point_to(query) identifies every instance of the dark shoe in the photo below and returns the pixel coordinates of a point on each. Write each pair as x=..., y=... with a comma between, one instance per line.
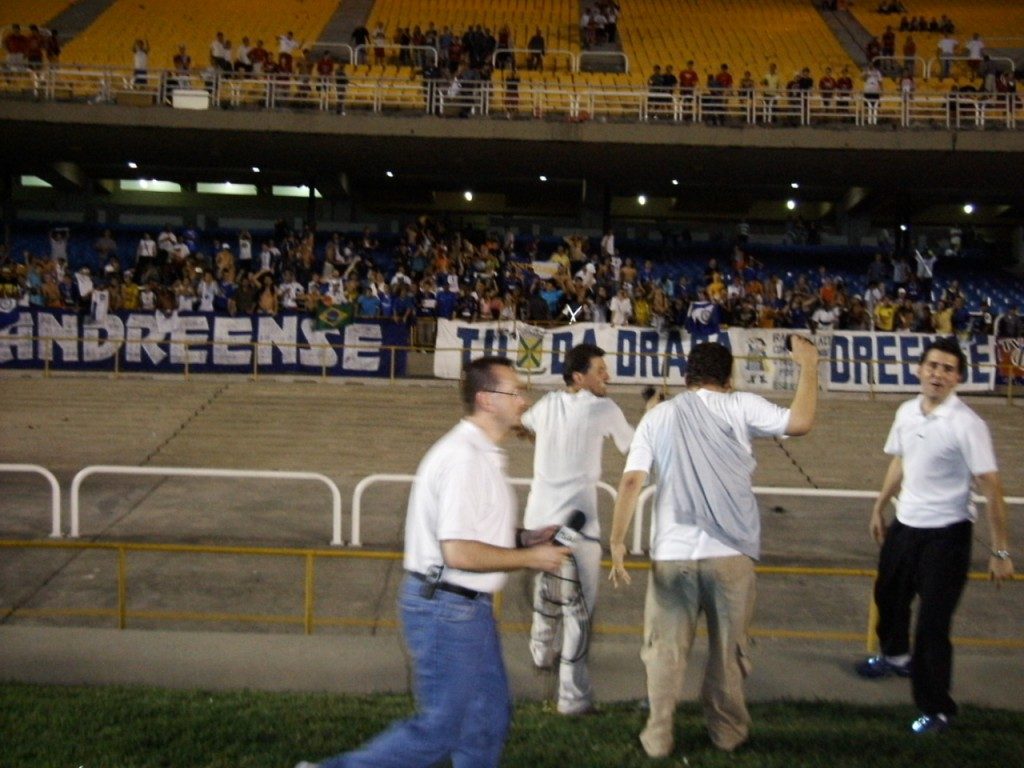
x=874, y=667
x=930, y=724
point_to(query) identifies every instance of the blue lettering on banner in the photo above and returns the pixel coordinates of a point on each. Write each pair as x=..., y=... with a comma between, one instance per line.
x=910, y=352
x=561, y=343
x=840, y=364
x=886, y=357
x=589, y=337
x=490, y=337
x=649, y=352
x=675, y=357
x=468, y=336
x=981, y=371
x=203, y=341
x=863, y=354
x=625, y=348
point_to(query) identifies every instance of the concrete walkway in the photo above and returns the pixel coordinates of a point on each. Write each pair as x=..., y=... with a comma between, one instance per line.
x=784, y=669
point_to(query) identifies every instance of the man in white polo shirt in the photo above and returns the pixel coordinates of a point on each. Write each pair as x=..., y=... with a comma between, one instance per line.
x=705, y=534
x=938, y=445
x=460, y=540
x=569, y=427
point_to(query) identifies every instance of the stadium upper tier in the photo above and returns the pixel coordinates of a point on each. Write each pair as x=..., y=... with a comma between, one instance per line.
x=998, y=20
x=745, y=34
x=27, y=12
x=558, y=20
x=194, y=23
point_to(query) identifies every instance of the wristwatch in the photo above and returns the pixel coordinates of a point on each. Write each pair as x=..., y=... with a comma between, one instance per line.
x=1002, y=554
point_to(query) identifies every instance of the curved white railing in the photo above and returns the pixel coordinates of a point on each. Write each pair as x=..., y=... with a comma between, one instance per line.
x=55, y=532
x=202, y=472
x=366, y=482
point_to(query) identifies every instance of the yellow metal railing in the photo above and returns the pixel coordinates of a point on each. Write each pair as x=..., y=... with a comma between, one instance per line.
x=310, y=621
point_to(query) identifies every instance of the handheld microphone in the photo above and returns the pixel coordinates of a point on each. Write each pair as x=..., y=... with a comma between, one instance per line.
x=569, y=534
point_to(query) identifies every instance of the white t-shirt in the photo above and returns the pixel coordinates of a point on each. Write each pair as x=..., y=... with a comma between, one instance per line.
x=570, y=429
x=656, y=444
x=621, y=309
x=289, y=294
x=947, y=46
x=208, y=291
x=974, y=48
x=100, y=304
x=872, y=81
x=825, y=319
x=925, y=266
x=460, y=492
x=941, y=452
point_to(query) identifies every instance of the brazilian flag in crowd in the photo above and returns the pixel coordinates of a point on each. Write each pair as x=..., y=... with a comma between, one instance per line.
x=334, y=317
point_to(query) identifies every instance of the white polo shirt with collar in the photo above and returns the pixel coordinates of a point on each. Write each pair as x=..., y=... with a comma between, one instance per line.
x=461, y=492
x=941, y=453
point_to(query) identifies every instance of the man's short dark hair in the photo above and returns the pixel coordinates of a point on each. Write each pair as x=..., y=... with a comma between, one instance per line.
x=578, y=360
x=950, y=346
x=480, y=376
x=709, y=363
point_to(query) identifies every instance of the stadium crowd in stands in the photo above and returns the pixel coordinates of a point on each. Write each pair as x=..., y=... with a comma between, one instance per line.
x=430, y=273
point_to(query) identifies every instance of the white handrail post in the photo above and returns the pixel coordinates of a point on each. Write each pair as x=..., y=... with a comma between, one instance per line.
x=357, y=500
x=55, y=532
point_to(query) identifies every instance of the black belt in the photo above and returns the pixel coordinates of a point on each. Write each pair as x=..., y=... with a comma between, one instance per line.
x=455, y=589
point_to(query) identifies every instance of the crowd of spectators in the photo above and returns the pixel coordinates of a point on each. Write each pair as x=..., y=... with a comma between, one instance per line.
x=35, y=49
x=432, y=273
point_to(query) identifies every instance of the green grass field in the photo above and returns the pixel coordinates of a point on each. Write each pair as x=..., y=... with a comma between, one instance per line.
x=57, y=727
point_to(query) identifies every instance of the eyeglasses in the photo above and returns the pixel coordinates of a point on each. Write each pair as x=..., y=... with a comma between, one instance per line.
x=516, y=393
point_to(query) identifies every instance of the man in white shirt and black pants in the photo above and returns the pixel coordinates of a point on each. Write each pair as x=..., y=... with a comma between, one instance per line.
x=460, y=540
x=938, y=445
x=569, y=428
x=705, y=534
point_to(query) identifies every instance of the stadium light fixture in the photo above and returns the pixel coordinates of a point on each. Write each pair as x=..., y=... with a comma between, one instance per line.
x=543, y=177
x=642, y=199
x=675, y=182
x=133, y=165
x=794, y=185
x=968, y=208
x=791, y=204
x=389, y=174
x=903, y=227
x=255, y=169
x=468, y=195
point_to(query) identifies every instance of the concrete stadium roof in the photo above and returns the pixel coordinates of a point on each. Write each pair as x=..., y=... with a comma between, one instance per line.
x=719, y=171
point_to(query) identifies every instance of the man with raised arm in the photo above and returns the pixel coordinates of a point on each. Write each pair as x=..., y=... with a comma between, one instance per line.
x=705, y=534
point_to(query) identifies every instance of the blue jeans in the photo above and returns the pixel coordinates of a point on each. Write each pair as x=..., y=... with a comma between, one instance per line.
x=463, y=707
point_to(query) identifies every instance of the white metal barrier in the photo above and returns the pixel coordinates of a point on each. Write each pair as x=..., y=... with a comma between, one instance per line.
x=366, y=482
x=202, y=472
x=55, y=532
x=821, y=493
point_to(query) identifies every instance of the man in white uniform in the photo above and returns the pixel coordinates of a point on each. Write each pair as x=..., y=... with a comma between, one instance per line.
x=938, y=445
x=705, y=534
x=570, y=426
x=460, y=540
